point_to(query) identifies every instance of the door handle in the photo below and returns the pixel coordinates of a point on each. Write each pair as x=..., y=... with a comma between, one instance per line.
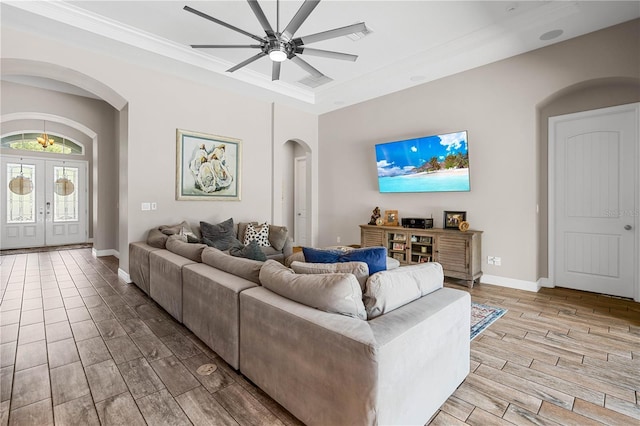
x=627, y=227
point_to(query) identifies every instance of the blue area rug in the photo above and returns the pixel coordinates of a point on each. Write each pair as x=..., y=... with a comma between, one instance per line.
x=482, y=316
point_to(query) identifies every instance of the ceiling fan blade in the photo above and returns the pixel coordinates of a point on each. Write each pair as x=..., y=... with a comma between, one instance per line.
x=257, y=10
x=225, y=46
x=326, y=54
x=306, y=66
x=326, y=35
x=246, y=62
x=224, y=24
x=275, y=71
x=300, y=16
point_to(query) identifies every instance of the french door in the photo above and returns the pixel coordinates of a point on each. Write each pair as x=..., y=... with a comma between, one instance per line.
x=44, y=202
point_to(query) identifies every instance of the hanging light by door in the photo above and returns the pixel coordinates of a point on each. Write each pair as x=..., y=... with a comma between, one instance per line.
x=44, y=139
x=20, y=184
x=64, y=186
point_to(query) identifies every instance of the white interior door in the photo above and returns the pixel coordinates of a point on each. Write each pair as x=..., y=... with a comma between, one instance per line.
x=300, y=202
x=54, y=212
x=595, y=198
x=23, y=210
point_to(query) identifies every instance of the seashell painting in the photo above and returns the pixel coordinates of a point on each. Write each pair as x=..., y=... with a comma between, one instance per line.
x=208, y=167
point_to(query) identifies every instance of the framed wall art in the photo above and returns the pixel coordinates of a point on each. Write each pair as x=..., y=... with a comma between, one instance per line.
x=208, y=167
x=452, y=220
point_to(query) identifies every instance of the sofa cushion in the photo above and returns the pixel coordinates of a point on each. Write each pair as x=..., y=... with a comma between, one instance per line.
x=155, y=238
x=258, y=233
x=176, y=245
x=251, y=251
x=389, y=290
x=359, y=269
x=337, y=293
x=374, y=257
x=241, y=267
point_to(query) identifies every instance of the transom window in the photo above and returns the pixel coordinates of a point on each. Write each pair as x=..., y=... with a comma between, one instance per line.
x=29, y=142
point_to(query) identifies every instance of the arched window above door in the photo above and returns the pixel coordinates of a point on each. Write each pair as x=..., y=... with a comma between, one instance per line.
x=39, y=142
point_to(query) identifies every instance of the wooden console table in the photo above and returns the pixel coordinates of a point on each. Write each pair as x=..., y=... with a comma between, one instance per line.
x=458, y=252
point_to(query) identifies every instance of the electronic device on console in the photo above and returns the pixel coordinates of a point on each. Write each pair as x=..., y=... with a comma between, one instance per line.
x=418, y=223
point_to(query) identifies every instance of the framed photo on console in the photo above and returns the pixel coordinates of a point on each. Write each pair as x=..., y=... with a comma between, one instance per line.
x=391, y=218
x=451, y=220
x=207, y=167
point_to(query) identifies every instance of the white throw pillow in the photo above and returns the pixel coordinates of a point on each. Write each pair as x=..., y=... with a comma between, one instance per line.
x=259, y=233
x=389, y=290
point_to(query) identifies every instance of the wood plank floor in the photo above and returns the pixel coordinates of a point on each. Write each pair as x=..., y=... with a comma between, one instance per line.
x=79, y=346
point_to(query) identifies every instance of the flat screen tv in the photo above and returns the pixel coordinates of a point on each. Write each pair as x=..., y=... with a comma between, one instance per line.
x=438, y=163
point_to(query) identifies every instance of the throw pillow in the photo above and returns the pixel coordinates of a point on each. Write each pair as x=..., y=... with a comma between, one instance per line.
x=359, y=269
x=258, y=233
x=221, y=236
x=250, y=251
x=175, y=229
x=224, y=243
x=392, y=289
x=374, y=257
x=335, y=293
x=155, y=238
x=278, y=236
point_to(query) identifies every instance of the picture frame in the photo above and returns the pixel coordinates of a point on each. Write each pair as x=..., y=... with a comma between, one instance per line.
x=452, y=219
x=208, y=167
x=391, y=218
x=398, y=246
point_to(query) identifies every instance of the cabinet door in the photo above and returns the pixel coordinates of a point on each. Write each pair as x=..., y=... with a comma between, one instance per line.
x=397, y=245
x=453, y=253
x=372, y=237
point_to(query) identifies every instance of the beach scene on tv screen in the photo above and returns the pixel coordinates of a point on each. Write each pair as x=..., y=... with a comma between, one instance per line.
x=437, y=163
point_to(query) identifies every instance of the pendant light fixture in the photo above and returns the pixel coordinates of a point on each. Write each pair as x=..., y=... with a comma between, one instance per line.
x=64, y=186
x=44, y=139
x=21, y=185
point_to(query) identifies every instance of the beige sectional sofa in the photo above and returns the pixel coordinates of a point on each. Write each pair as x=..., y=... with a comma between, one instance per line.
x=320, y=359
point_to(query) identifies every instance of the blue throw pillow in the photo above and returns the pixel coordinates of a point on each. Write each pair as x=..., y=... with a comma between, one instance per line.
x=374, y=257
x=312, y=255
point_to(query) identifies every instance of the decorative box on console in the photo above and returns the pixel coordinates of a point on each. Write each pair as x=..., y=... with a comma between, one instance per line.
x=417, y=223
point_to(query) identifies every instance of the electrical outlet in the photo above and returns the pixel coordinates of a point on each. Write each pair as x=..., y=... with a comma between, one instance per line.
x=497, y=261
x=146, y=206
x=154, y=206
x=490, y=260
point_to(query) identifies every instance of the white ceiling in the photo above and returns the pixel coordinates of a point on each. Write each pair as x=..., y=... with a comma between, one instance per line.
x=412, y=42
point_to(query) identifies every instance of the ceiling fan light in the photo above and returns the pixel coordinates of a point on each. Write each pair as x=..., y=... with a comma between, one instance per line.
x=278, y=55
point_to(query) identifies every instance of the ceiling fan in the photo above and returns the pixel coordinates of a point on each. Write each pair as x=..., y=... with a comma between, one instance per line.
x=280, y=46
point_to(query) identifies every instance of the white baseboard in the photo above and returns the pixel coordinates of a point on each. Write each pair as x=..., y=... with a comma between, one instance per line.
x=545, y=282
x=109, y=252
x=124, y=276
x=510, y=282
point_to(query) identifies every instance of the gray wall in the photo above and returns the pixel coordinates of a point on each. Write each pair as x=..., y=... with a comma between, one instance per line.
x=96, y=115
x=498, y=105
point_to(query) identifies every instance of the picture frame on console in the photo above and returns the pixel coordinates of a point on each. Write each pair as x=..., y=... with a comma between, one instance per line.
x=452, y=219
x=391, y=218
x=208, y=167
